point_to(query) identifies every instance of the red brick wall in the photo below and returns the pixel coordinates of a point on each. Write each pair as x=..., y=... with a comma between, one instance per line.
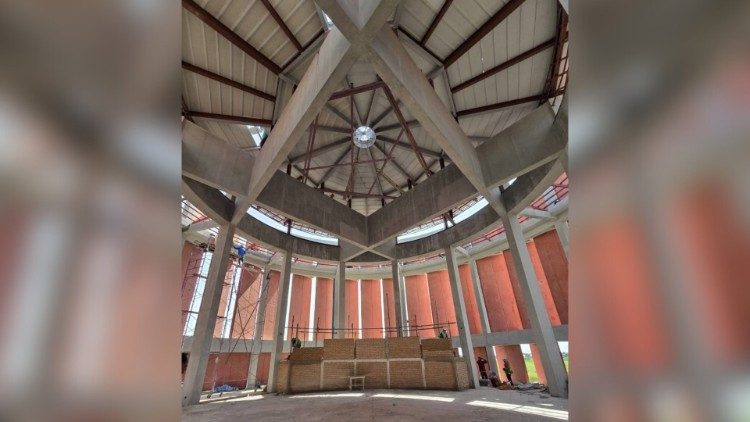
x=271, y=304
x=371, y=305
x=324, y=306
x=299, y=306
x=351, y=317
x=264, y=365
x=555, y=265
x=441, y=302
x=517, y=363
x=418, y=301
x=470, y=299
x=538, y=364
x=226, y=368
x=243, y=323
x=389, y=307
x=191, y=261
x=226, y=289
x=543, y=284
x=499, y=297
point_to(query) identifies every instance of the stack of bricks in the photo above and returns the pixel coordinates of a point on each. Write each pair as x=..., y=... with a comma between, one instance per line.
x=437, y=349
x=282, y=377
x=370, y=349
x=341, y=348
x=462, y=374
x=307, y=354
x=404, y=347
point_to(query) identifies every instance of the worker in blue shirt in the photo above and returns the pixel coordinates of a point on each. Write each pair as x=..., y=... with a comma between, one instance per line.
x=241, y=251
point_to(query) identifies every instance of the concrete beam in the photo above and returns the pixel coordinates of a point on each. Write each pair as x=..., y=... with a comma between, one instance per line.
x=328, y=68
x=204, y=325
x=536, y=310
x=462, y=321
x=397, y=298
x=281, y=308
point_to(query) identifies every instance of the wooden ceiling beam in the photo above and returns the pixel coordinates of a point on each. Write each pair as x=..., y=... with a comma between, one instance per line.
x=282, y=25
x=226, y=81
x=435, y=22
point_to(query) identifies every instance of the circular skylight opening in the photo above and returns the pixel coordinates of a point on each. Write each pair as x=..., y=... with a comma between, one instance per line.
x=364, y=137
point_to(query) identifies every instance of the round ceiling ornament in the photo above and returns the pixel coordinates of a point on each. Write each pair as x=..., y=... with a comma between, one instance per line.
x=364, y=137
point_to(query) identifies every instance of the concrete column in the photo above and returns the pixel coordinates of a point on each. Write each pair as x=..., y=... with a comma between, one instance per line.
x=464, y=333
x=561, y=226
x=535, y=307
x=398, y=298
x=484, y=321
x=260, y=319
x=404, y=313
x=281, y=308
x=339, y=301
x=204, y=325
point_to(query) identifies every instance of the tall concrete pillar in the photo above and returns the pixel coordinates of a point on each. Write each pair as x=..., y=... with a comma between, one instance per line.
x=204, y=325
x=535, y=307
x=281, y=308
x=404, y=311
x=260, y=319
x=339, y=301
x=398, y=298
x=561, y=226
x=462, y=321
x=484, y=321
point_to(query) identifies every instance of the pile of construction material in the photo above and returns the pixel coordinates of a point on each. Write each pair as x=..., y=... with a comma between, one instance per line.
x=396, y=362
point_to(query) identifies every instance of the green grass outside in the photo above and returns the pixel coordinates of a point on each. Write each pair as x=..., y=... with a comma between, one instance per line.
x=531, y=369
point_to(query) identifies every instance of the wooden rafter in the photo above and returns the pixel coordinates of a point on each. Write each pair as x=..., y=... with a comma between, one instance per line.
x=504, y=104
x=226, y=81
x=394, y=162
x=356, y=163
x=282, y=24
x=502, y=66
x=387, y=157
x=230, y=35
x=356, y=90
x=322, y=149
x=483, y=30
x=435, y=22
x=409, y=135
x=236, y=119
x=330, y=170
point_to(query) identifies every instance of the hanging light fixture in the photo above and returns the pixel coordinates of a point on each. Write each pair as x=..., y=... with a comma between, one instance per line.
x=364, y=137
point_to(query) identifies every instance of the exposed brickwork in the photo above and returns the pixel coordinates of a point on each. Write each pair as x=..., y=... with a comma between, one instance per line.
x=269, y=319
x=439, y=374
x=555, y=264
x=376, y=375
x=406, y=374
x=307, y=354
x=304, y=377
x=372, y=320
x=299, y=304
x=336, y=375
x=437, y=353
x=418, y=303
x=436, y=344
x=441, y=301
x=338, y=348
x=323, y=306
x=371, y=349
x=462, y=374
x=389, y=305
x=404, y=347
x=282, y=379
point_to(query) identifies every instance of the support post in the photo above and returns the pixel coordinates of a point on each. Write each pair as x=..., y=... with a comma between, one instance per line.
x=464, y=333
x=483, y=318
x=281, y=307
x=206, y=322
x=561, y=226
x=397, y=299
x=339, y=301
x=552, y=361
x=260, y=319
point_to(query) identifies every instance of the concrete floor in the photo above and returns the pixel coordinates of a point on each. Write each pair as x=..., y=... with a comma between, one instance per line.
x=484, y=404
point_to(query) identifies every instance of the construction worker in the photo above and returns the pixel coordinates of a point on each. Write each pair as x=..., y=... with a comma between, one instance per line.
x=241, y=251
x=508, y=371
x=482, y=364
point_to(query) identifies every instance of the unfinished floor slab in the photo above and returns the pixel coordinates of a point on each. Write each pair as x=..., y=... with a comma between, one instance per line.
x=386, y=405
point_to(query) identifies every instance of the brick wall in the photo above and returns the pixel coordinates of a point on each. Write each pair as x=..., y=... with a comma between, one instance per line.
x=226, y=368
x=273, y=296
x=299, y=306
x=499, y=296
x=418, y=301
x=462, y=374
x=243, y=322
x=470, y=299
x=371, y=349
x=304, y=377
x=441, y=301
x=371, y=305
x=555, y=265
x=376, y=374
x=440, y=374
x=282, y=379
x=336, y=375
x=307, y=354
x=338, y=349
x=324, y=306
x=404, y=347
x=406, y=374
x=351, y=316
x=389, y=307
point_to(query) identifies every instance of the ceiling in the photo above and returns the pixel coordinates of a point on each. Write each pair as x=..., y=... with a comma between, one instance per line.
x=242, y=58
